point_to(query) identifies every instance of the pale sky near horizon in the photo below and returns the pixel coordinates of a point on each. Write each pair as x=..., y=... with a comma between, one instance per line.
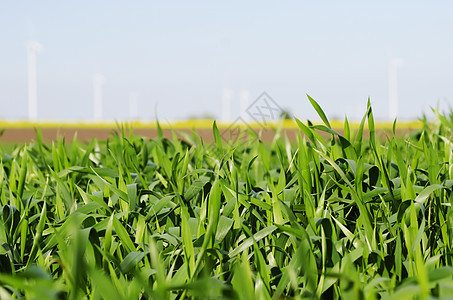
x=178, y=56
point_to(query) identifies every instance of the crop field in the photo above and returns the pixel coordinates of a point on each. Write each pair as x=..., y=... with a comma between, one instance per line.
x=22, y=132
x=325, y=215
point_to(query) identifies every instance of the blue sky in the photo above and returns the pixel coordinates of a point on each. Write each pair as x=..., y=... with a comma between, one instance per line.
x=178, y=56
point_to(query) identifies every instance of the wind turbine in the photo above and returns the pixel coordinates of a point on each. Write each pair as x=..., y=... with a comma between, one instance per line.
x=226, y=105
x=394, y=64
x=33, y=47
x=98, y=81
x=244, y=97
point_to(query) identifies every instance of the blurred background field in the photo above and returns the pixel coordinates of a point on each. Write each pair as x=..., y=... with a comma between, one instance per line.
x=18, y=132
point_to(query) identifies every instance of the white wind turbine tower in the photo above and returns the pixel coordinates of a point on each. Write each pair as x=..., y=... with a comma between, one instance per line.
x=226, y=105
x=244, y=97
x=393, y=87
x=98, y=81
x=33, y=47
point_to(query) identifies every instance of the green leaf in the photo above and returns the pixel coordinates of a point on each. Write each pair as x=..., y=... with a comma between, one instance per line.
x=217, y=136
x=319, y=111
x=424, y=195
x=131, y=261
x=249, y=241
x=123, y=235
x=242, y=281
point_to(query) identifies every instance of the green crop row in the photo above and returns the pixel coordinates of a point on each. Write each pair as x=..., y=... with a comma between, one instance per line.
x=348, y=216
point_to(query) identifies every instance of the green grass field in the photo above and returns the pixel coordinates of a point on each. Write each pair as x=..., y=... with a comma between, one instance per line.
x=352, y=217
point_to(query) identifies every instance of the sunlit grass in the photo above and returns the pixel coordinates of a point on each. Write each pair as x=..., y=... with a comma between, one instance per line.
x=351, y=216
